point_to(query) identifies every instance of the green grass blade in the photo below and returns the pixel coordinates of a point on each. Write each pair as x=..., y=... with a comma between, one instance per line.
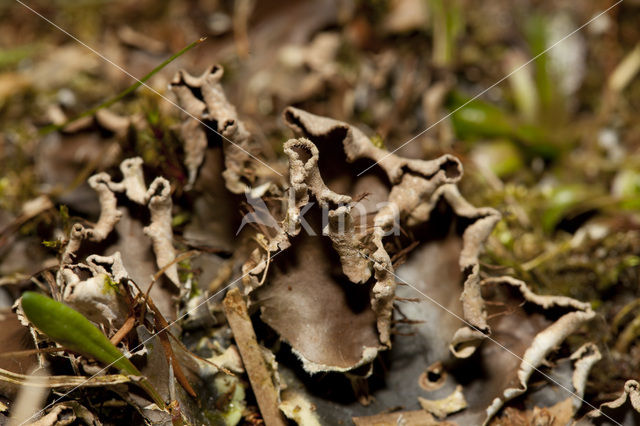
x=124, y=93
x=72, y=330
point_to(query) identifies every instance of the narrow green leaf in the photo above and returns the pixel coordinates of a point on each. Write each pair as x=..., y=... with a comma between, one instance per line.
x=125, y=92
x=475, y=119
x=72, y=330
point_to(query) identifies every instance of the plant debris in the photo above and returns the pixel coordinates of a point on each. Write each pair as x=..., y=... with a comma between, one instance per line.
x=368, y=212
x=252, y=357
x=448, y=405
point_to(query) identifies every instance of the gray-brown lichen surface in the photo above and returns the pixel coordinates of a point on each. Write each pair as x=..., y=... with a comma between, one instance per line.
x=132, y=180
x=109, y=214
x=353, y=145
x=203, y=98
x=547, y=335
x=475, y=226
x=97, y=297
x=449, y=240
x=159, y=231
x=631, y=391
x=340, y=318
x=446, y=256
x=109, y=217
x=325, y=317
x=398, y=190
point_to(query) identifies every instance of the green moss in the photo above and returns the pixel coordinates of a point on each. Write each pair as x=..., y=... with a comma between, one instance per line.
x=378, y=142
x=54, y=244
x=11, y=57
x=233, y=390
x=110, y=286
x=180, y=219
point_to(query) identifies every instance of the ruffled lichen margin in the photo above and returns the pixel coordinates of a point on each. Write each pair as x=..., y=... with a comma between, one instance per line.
x=413, y=189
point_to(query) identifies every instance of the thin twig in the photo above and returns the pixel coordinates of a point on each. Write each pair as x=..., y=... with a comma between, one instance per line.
x=124, y=330
x=266, y=394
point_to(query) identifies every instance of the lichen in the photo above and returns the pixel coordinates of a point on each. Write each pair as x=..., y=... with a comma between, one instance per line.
x=158, y=199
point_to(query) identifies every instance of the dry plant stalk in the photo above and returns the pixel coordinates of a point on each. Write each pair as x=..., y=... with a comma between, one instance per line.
x=62, y=382
x=235, y=310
